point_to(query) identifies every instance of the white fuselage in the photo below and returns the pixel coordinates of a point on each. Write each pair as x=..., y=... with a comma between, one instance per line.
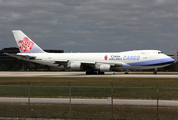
x=139, y=59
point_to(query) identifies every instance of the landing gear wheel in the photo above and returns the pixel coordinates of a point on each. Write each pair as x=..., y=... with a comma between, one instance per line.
x=91, y=73
x=126, y=72
x=100, y=73
x=155, y=73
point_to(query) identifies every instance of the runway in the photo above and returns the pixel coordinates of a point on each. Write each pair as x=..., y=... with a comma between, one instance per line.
x=89, y=101
x=82, y=74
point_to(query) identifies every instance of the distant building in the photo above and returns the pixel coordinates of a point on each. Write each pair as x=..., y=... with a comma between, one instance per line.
x=8, y=50
x=16, y=50
x=54, y=51
x=174, y=55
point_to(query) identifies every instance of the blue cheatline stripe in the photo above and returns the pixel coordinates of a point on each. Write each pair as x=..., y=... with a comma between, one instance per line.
x=157, y=62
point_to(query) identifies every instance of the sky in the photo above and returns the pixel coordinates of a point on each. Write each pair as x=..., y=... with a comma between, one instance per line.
x=92, y=25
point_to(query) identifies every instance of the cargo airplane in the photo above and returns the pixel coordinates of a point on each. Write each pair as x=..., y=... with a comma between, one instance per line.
x=92, y=63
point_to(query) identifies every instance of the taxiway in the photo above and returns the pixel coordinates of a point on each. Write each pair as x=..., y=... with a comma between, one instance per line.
x=89, y=101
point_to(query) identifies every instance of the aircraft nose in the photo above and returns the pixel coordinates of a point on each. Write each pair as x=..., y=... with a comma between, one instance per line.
x=170, y=60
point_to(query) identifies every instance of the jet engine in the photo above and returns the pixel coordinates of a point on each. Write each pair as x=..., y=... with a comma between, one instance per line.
x=104, y=68
x=75, y=66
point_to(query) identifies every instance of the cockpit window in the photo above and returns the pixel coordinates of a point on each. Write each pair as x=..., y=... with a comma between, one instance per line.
x=160, y=52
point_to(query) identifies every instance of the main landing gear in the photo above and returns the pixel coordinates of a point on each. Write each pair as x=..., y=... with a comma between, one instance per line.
x=91, y=73
x=94, y=73
x=100, y=73
x=127, y=71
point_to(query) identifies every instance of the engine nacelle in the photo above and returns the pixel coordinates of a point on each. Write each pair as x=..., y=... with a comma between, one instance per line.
x=104, y=68
x=75, y=66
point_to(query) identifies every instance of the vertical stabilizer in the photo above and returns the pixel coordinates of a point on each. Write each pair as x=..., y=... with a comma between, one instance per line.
x=25, y=44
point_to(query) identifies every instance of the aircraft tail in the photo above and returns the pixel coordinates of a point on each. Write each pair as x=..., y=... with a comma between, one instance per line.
x=25, y=44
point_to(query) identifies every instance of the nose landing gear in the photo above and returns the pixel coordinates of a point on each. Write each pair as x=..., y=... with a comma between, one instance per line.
x=155, y=71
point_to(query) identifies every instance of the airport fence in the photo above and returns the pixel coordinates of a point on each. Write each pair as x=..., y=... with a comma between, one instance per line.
x=69, y=110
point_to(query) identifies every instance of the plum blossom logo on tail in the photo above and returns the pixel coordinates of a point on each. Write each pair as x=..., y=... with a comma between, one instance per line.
x=105, y=57
x=25, y=44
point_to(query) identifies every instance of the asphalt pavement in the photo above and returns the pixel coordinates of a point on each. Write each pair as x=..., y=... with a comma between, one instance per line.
x=82, y=74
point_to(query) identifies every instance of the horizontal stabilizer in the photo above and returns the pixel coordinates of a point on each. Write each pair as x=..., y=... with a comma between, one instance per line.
x=22, y=57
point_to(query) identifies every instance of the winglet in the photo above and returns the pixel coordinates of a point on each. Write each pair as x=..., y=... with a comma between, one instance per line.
x=25, y=44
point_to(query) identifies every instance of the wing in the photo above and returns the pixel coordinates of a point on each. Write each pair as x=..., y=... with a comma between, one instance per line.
x=62, y=62
x=67, y=63
x=86, y=65
x=73, y=65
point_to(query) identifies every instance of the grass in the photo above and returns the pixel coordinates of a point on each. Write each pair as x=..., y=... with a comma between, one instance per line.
x=125, y=82
x=49, y=87
x=88, y=112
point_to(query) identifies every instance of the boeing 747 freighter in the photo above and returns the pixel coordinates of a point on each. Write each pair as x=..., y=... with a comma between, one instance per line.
x=92, y=63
